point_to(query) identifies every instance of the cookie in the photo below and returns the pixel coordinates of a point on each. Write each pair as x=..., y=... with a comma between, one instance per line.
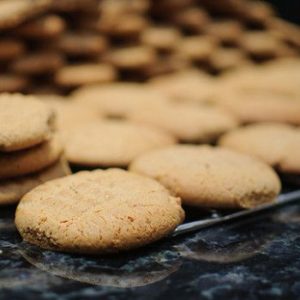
x=260, y=45
x=210, y=177
x=31, y=160
x=10, y=49
x=12, y=190
x=251, y=106
x=82, y=44
x=132, y=57
x=274, y=143
x=188, y=123
x=122, y=26
x=25, y=122
x=227, y=32
x=46, y=27
x=161, y=38
x=186, y=86
x=14, y=12
x=112, y=143
x=224, y=59
x=85, y=74
x=70, y=114
x=191, y=19
x=118, y=100
x=13, y=83
x=98, y=212
x=39, y=63
x=196, y=48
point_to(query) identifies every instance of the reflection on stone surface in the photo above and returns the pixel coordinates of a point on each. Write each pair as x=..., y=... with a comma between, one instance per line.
x=119, y=271
x=229, y=244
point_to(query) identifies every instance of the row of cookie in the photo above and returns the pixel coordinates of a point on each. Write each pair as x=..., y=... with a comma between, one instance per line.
x=30, y=151
x=114, y=210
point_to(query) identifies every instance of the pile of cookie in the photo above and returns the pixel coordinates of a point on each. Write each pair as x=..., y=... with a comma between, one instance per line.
x=30, y=150
x=54, y=46
x=142, y=151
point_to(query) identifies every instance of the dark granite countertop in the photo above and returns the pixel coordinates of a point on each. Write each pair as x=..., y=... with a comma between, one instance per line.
x=257, y=258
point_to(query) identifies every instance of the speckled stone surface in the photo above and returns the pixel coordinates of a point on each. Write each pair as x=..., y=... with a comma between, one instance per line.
x=257, y=258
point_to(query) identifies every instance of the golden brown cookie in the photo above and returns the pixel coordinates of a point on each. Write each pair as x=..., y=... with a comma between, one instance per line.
x=31, y=160
x=10, y=49
x=98, y=212
x=274, y=143
x=188, y=123
x=82, y=44
x=191, y=19
x=132, y=58
x=85, y=74
x=14, y=12
x=13, y=83
x=112, y=143
x=187, y=86
x=25, y=122
x=196, y=48
x=210, y=177
x=70, y=113
x=119, y=99
x=46, y=27
x=12, y=190
x=38, y=63
x=161, y=38
x=251, y=106
x=227, y=32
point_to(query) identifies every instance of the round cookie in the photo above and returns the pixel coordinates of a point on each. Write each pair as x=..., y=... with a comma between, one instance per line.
x=186, y=86
x=84, y=74
x=70, y=114
x=112, y=143
x=188, y=123
x=276, y=144
x=119, y=99
x=98, y=212
x=210, y=177
x=255, y=105
x=31, y=160
x=12, y=190
x=25, y=122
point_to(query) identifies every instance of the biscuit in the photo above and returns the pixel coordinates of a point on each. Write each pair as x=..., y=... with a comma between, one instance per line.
x=132, y=58
x=12, y=190
x=70, y=114
x=161, y=38
x=13, y=83
x=25, y=122
x=119, y=99
x=82, y=44
x=31, y=160
x=227, y=32
x=210, y=177
x=14, y=12
x=46, y=27
x=122, y=26
x=196, y=48
x=274, y=143
x=112, y=143
x=192, y=19
x=85, y=74
x=10, y=49
x=38, y=63
x=187, y=86
x=251, y=106
x=98, y=212
x=188, y=123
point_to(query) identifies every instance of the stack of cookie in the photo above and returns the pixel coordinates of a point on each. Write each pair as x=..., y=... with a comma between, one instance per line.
x=30, y=151
x=53, y=46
